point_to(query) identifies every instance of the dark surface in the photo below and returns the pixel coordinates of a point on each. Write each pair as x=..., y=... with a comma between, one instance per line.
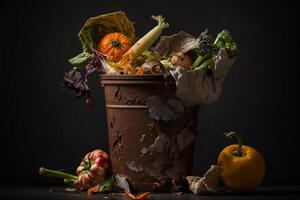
x=47, y=193
x=44, y=125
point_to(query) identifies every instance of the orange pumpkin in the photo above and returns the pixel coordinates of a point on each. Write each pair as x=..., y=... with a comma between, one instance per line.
x=114, y=45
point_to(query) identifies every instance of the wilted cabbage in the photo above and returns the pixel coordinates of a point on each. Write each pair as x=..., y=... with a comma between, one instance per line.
x=97, y=27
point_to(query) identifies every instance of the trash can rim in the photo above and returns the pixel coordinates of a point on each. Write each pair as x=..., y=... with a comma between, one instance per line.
x=133, y=77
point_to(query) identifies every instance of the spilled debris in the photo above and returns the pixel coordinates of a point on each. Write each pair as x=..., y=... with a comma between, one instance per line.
x=209, y=183
x=122, y=183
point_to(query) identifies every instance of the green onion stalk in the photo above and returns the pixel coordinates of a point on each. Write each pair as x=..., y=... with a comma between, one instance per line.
x=68, y=178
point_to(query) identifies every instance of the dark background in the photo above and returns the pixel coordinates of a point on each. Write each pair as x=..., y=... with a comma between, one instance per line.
x=44, y=125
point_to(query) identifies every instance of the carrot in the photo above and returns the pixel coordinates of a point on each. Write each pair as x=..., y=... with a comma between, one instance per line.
x=140, y=71
x=130, y=195
x=138, y=197
x=143, y=196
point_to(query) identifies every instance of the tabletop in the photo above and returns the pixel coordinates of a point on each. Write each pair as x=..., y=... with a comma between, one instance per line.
x=57, y=192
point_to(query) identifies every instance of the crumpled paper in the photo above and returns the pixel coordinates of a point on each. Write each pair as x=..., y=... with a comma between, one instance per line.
x=202, y=86
x=181, y=42
x=209, y=183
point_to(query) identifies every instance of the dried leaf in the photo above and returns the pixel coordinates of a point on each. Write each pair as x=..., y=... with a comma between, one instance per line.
x=76, y=82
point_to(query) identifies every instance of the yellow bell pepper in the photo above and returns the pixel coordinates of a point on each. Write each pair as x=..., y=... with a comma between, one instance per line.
x=242, y=167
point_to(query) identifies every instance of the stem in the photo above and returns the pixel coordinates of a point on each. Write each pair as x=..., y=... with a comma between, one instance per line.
x=69, y=181
x=87, y=165
x=204, y=64
x=147, y=40
x=239, y=138
x=115, y=43
x=198, y=60
x=58, y=174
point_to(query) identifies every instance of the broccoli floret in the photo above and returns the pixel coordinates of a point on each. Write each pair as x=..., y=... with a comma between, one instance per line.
x=209, y=48
x=224, y=40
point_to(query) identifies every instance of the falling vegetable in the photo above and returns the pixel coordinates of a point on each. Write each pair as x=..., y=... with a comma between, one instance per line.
x=242, y=167
x=141, y=45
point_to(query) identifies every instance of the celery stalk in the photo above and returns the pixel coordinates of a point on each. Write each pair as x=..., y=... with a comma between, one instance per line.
x=139, y=47
x=147, y=40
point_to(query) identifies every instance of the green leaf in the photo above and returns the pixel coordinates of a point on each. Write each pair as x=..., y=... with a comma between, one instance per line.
x=107, y=185
x=80, y=59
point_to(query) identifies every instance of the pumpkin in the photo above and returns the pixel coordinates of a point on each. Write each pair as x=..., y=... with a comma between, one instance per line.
x=114, y=45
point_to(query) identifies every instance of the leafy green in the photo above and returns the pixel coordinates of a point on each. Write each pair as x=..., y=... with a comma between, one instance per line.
x=224, y=40
x=107, y=185
x=80, y=59
x=91, y=60
x=208, y=48
x=97, y=27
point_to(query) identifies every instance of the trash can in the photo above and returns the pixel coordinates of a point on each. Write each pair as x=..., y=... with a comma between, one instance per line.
x=153, y=154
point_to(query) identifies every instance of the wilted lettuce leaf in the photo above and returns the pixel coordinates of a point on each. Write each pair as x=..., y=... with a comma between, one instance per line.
x=97, y=27
x=181, y=42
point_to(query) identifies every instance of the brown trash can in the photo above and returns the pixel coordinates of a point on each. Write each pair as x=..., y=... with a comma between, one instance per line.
x=153, y=155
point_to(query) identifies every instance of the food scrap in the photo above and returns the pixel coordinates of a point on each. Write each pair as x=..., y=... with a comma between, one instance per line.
x=93, y=170
x=199, y=65
x=137, y=197
x=209, y=183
